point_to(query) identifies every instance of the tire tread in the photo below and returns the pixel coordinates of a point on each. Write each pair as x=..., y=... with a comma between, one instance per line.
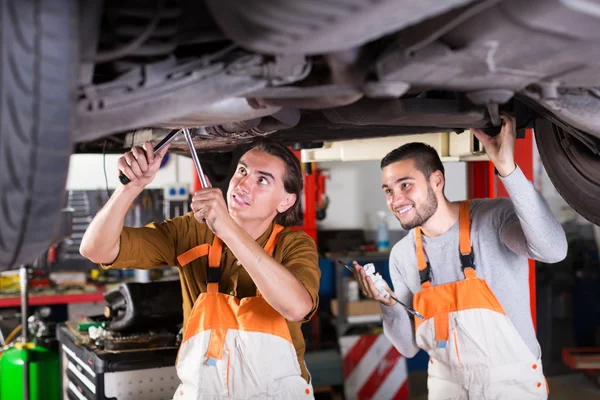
x=33, y=178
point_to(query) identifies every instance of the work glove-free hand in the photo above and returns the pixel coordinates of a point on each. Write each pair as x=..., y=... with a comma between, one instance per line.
x=140, y=164
x=209, y=207
x=371, y=285
x=500, y=148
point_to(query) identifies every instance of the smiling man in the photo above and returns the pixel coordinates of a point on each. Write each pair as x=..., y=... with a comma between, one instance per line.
x=248, y=281
x=464, y=267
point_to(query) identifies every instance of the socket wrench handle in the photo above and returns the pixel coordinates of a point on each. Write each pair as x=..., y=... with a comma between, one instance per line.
x=161, y=145
x=190, y=142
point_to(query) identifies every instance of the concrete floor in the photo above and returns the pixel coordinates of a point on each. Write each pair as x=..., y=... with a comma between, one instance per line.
x=573, y=386
x=563, y=382
x=569, y=387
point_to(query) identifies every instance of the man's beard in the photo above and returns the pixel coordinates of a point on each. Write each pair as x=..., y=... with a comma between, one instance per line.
x=423, y=212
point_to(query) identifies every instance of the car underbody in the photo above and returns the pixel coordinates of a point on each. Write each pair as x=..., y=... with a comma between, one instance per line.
x=329, y=69
x=332, y=70
x=306, y=72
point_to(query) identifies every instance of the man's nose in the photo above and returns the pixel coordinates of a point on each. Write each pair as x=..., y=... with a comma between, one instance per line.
x=397, y=198
x=245, y=184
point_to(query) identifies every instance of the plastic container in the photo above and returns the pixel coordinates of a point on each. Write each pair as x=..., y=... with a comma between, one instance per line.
x=383, y=241
x=352, y=289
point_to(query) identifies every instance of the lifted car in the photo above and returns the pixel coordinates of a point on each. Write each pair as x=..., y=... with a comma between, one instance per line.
x=92, y=76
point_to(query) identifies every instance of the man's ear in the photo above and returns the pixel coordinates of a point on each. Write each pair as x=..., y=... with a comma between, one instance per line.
x=437, y=181
x=287, y=202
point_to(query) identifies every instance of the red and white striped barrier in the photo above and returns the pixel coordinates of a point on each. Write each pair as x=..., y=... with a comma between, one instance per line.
x=373, y=369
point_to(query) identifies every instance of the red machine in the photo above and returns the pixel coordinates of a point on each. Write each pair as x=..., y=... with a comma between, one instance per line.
x=482, y=184
x=315, y=200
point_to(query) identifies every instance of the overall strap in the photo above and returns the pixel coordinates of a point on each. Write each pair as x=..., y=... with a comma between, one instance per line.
x=214, y=252
x=467, y=258
x=271, y=243
x=193, y=254
x=213, y=272
x=424, y=266
x=270, y=246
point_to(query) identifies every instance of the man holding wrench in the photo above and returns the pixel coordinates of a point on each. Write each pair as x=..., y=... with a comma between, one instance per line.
x=248, y=282
x=464, y=267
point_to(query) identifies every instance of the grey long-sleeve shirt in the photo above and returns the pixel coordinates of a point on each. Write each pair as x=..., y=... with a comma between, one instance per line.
x=504, y=233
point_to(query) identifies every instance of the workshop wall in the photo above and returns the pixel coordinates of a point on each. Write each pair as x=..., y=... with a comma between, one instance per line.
x=86, y=172
x=355, y=195
x=354, y=189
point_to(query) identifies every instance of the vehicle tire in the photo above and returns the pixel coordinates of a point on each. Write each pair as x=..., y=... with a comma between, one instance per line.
x=572, y=168
x=38, y=66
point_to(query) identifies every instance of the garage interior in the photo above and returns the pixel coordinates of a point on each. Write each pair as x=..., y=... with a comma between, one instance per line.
x=100, y=330
x=340, y=83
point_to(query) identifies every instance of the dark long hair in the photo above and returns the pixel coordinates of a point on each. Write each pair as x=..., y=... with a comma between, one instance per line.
x=292, y=180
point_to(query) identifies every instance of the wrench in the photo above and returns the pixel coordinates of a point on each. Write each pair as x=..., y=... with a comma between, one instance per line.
x=168, y=139
x=161, y=145
x=409, y=309
x=188, y=139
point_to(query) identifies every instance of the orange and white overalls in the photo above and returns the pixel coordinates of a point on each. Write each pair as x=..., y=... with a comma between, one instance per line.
x=236, y=349
x=475, y=351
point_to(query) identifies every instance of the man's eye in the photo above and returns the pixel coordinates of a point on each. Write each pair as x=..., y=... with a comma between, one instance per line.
x=387, y=191
x=406, y=186
x=242, y=170
x=263, y=181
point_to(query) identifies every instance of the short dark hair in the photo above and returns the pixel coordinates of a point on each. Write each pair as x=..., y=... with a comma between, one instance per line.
x=425, y=157
x=292, y=180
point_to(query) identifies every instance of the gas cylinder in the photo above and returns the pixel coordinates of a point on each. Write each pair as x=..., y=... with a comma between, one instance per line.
x=44, y=372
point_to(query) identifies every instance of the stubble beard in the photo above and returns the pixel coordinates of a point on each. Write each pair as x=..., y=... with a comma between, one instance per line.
x=423, y=212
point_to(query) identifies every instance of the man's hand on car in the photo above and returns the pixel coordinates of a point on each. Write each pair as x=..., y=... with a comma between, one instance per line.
x=140, y=164
x=500, y=148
